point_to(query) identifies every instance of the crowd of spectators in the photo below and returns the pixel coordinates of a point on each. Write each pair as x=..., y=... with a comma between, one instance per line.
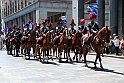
x=115, y=45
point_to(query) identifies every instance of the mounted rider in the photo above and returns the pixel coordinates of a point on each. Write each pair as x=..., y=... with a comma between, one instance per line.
x=60, y=27
x=82, y=28
x=92, y=26
x=58, y=31
x=50, y=26
x=45, y=29
x=71, y=32
x=37, y=29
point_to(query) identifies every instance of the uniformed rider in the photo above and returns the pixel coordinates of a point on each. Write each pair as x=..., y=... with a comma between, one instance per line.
x=71, y=32
x=45, y=29
x=92, y=26
x=82, y=27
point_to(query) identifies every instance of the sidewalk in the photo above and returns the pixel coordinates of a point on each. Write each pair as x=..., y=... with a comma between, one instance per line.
x=109, y=55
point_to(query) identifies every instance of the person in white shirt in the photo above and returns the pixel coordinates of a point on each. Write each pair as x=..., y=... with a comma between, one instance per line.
x=116, y=44
x=122, y=45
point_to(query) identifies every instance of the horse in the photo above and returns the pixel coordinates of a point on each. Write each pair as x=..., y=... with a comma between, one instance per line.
x=47, y=44
x=97, y=44
x=63, y=43
x=31, y=43
x=76, y=44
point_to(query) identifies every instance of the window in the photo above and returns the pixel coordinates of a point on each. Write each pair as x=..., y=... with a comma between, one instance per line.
x=8, y=10
x=15, y=6
x=56, y=17
x=21, y=4
x=51, y=19
x=25, y=3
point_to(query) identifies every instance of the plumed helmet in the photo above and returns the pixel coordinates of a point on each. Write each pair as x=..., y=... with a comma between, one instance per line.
x=45, y=21
x=92, y=15
x=39, y=23
x=72, y=22
x=14, y=25
x=82, y=21
x=59, y=20
x=29, y=21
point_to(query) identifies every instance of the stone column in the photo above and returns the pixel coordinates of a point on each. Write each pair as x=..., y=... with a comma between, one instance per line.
x=80, y=10
x=34, y=16
x=77, y=11
x=37, y=15
x=101, y=13
x=114, y=15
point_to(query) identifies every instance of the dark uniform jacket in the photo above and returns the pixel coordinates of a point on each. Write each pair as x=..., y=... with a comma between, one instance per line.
x=60, y=29
x=94, y=25
x=83, y=29
x=72, y=31
x=45, y=30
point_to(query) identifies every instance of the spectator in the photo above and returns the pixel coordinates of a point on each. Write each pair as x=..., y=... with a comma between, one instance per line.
x=122, y=45
x=116, y=44
x=110, y=44
x=114, y=36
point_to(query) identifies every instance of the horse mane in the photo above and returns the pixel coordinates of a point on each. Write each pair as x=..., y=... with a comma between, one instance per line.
x=101, y=31
x=76, y=33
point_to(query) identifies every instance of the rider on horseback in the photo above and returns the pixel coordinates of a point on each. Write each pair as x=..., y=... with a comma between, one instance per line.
x=58, y=31
x=38, y=31
x=93, y=27
x=82, y=28
x=45, y=29
x=71, y=32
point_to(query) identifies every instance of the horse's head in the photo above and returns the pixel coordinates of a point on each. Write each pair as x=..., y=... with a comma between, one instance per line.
x=104, y=33
x=64, y=33
x=77, y=34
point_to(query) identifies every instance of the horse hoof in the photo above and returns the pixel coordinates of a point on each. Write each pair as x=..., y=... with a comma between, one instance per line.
x=70, y=59
x=95, y=67
x=86, y=65
x=66, y=61
x=102, y=69
x=73, y=58
x=60, y=60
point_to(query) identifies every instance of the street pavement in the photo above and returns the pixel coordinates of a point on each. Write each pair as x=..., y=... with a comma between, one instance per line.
x=19, y=70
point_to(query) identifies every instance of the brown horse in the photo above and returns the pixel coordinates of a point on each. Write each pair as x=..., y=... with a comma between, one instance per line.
x=98, y=44
x=47, y=44
x=76, y=44
x=31, y=43
x=62, y=45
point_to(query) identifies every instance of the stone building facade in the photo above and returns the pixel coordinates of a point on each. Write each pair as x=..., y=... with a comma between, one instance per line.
x=18, y=11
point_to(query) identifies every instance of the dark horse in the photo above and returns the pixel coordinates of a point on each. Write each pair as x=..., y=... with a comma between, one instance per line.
x=98, y=44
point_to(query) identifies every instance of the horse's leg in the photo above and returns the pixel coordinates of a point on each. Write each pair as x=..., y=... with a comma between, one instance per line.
x=76, y=54
x=59, y=54
x=47, y=54
x=85, y=60
x=22, y=47
x=100, y=62
x=97, y=56
x=29, y=52
x=36, y=50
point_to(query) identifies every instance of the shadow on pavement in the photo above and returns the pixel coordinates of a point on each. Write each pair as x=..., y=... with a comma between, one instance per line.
x=106, y=70
x=53, y=63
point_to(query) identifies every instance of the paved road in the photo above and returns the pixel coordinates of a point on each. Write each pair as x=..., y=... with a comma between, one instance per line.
x=18, y=70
